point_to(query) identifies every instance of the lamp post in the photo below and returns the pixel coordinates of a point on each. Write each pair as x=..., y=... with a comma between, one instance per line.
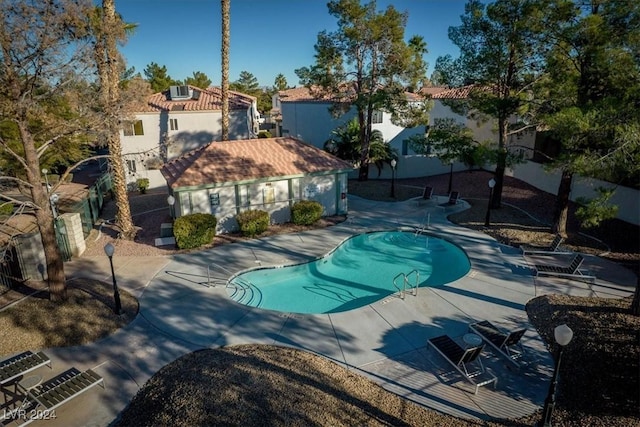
x=109, y=250
x=46, y=179
x=171, y=201
x=563, y=335
x=393, y=177
x=487, y=218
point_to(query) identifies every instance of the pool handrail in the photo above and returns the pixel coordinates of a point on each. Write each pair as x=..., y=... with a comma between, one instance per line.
x=209, y=272
x=404, y=284
x=415, y=287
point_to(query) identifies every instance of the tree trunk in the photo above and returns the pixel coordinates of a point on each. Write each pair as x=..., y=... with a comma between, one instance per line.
x=110, y=89
x=501, y=163
x=44, y=219
x=226, y=12
x=363, y=174
x=562, y=204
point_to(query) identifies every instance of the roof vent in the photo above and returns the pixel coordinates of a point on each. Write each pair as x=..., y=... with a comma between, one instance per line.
x=179, y=92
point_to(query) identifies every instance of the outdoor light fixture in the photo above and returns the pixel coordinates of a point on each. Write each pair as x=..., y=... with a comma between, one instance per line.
x=487, y=218
x=46, y=179
x=563, y=335
x=393, y=177
x=171, y=201
x=109, y=249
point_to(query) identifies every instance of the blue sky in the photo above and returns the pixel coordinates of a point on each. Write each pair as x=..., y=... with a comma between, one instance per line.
x=268, y=37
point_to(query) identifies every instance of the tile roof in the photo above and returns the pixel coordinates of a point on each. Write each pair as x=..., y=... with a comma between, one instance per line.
x=248, y=159
x=210, y=99
x=303, y=94
x=432, y=90
x=455, y=93
x=298, y=94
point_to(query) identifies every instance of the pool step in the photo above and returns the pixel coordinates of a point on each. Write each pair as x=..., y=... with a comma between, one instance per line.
x=245, y=293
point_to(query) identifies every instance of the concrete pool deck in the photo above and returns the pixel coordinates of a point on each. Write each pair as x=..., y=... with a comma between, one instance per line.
x=385, y=341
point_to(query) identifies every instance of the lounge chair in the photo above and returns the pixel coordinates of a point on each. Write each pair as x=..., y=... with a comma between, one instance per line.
x=61, y=389
x=427, y=194
x=21, y=364
x=507, y=344
x=572, y=271
x=552, y=248
x=460, y=357
x=453, y=198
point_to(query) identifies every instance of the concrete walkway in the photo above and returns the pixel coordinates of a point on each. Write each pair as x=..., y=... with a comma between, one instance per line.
x=385, y=341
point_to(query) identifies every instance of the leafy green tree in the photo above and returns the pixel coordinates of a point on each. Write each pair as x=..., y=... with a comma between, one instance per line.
x=280, y=83
x=247, y=84
x=198, y=79
x=158, y=77
x=345, y=144
x=591, y=92
x=449, y=140
x=366, y=64
x=42, y=47
x=500, y=55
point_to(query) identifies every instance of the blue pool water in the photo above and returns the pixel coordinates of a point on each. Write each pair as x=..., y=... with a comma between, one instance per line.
x=360, y=271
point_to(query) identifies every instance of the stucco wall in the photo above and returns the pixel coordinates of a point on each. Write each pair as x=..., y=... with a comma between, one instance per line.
x=195, y=128
x=273, y=197
x=627, y=199
x=310, y=121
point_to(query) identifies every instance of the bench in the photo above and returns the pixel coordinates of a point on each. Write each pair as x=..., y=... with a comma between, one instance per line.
x=20, y=364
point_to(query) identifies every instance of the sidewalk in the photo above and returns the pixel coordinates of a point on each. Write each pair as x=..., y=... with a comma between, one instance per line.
x=385, y=341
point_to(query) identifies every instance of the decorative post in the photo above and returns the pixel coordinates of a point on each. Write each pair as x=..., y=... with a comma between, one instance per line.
x=393, y=176
x=487, y=218
x=109, y=250
x=563, y=335
x=171, y=201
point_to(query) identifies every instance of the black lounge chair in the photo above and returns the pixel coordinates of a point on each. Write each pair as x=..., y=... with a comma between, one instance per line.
x=453, y=198
x=552, y=248
x=61, y=389
x=427, y=194
x=21, y=364
x=507, y=344
x=460, y=357
x=572, y=271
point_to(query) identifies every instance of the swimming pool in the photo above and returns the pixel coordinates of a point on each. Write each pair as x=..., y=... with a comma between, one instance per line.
x=360, y=271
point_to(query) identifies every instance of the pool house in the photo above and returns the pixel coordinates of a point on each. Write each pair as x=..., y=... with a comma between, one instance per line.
x=270, y=174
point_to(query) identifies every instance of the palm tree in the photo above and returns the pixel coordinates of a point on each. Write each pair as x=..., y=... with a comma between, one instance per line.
x=226, y=33
x=108, y=31
x=346, y=145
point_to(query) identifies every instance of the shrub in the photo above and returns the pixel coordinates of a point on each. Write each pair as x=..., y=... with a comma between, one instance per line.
x=143, y=184
x=194, y=230
x=6, y=208
x=264, y=134
x=253, y=222
x=306, y=212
